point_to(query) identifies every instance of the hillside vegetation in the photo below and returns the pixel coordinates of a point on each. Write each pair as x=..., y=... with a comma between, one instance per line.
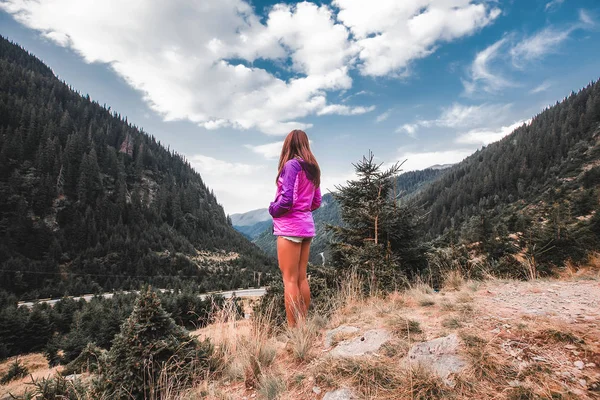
x=91, y=203
x=490, y=339
x=550, y=163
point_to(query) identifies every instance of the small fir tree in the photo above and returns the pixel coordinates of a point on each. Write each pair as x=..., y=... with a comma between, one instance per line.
x=151, y=351
x=378, y=234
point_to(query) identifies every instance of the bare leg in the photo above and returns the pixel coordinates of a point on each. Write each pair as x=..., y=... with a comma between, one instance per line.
x=288, y=254
x=302, y=279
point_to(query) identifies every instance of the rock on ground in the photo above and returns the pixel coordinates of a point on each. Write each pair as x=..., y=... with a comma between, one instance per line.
x=340, y=394
x=440, y=355
x=343, y=329
x=367, y=343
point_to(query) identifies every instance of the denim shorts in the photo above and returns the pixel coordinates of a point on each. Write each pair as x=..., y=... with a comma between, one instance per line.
x=296, y=239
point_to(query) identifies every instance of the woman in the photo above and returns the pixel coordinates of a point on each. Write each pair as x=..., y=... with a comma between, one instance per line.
x=298, y=194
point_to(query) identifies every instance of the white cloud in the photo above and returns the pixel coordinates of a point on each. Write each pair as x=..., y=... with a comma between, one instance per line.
x=542, y=87
x=535, y=47
x=344, y=110
x=329, y=180
x=390, y=34
x=481, y=75
x=485, y=137
x=585, y=19
x=193, y=60
x=206, y=165
x=509, y=52
x=468, y=142
x=460, y=116
x=360, y=93
x=383, y=116
x=269, y=150
x=418, y=161
x=409, y=129
x=553, y=5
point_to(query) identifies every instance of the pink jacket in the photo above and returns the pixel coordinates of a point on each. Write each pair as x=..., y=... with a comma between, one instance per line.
x=295, y=200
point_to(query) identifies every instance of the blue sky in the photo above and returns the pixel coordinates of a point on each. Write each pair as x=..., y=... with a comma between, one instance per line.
x=223, y=81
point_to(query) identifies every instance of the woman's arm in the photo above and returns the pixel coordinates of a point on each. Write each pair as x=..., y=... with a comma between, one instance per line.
x=284, y=203
x=316, y=203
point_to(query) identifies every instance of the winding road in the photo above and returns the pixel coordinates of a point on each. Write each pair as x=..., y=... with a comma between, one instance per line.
x=87, y=297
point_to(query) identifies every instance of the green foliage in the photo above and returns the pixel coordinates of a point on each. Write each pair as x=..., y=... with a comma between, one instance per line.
x=324, y=285
x=378, y=238
x=91, y=359
x=55, y=388
x=16, y=371
x=152, y=352
x=74, y=324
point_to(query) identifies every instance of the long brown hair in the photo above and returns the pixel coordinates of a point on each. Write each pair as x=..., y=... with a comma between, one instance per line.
x=296, y=144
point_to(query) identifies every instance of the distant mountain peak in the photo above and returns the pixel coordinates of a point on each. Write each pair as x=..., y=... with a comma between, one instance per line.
x=440, y=166
x=250, y=217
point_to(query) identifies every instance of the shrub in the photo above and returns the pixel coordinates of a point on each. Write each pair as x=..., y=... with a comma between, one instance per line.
x=16, y=371
x=56, y=388
x=91, y=359
x=324, y=286
x=151, y=353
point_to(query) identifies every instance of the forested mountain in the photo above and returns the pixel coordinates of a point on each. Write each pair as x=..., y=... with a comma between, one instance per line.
x=252, y=223
x=90, y=202
x=255, y=230
x=407, y=185
x=540, y=183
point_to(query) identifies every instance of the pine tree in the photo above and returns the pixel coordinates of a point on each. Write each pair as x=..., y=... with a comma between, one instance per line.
x=37, y=331
x=150, y=343
x=378, y=235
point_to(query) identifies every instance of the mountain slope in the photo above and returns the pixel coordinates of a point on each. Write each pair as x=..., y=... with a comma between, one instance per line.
x=252, y=223
x=529, y=202
x=554, y=159
x=255, y=230
x=89, y=201
x=250, y=218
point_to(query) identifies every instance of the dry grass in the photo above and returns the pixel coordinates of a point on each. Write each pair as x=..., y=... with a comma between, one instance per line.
x=38, y=368
x=453, y=280
x=301, y=340
x=403, y=327
x=368, y=375
x=464, y=297
x=244, y=350
x=508, y=356
x=422, y=294
x=452, y=323
x=33, y=362
x=271, y=386
x=590, y=269
x=342, y=336
x=374, y=378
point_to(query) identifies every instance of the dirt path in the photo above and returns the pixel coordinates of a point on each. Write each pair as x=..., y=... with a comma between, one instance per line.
x=574, y=302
